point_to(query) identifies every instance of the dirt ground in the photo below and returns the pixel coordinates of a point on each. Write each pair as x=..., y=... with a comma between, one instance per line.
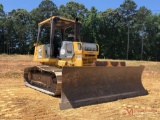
x=20, y=102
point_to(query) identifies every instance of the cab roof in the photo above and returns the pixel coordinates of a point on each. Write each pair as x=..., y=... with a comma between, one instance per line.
x=61, y=22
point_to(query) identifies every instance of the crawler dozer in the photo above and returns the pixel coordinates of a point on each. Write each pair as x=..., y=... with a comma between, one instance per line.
x=71, y=69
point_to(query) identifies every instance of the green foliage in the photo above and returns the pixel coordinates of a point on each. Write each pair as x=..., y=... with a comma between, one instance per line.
x=2, y=20
x=73, y=10
x=125, y=31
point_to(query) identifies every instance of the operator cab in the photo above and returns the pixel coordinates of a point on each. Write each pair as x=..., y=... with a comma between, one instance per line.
x=64, y=27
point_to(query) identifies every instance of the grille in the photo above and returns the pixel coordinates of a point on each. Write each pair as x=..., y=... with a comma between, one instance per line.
x=88, y=60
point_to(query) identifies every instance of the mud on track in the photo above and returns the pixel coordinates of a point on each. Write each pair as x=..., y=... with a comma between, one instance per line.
x=20, y=102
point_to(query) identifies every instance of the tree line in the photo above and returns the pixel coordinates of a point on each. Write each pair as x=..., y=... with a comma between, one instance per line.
x=122, y=33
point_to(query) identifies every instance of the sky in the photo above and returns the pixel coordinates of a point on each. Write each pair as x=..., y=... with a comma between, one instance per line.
x=101, y=5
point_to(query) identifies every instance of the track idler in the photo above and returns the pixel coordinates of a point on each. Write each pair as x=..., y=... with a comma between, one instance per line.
x=44, y=78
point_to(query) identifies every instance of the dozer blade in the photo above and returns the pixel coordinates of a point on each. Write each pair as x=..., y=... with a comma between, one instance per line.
x=83, y=86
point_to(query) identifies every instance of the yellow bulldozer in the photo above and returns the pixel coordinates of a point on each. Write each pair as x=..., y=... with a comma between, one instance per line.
x=73, y=71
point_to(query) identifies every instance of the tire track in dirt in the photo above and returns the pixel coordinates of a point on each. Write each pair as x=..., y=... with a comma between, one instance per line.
x=7, y=107
x=26, y=103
